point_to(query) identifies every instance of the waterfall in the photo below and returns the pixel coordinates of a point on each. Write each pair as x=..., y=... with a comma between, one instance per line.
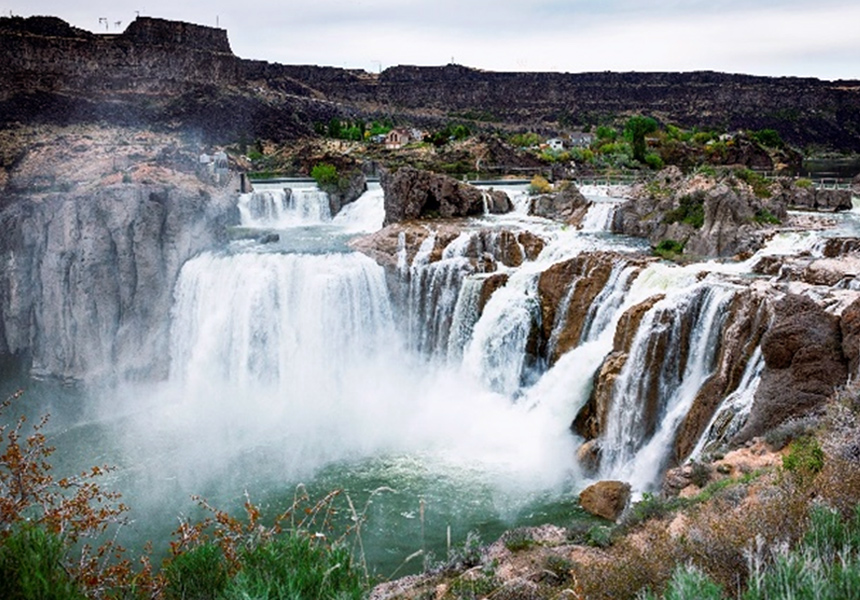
x=497, y=353
x=292, y=323
x=604, y=311
x=732, y=413
x=281, y=208
x=599, y=216
x=366, y=214
x=672, y=355
x=465, y=316
x=431, y=297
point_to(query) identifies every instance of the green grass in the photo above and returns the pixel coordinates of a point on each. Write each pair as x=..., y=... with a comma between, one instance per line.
x=290, y=567
x=825, y=565
x=31, y=567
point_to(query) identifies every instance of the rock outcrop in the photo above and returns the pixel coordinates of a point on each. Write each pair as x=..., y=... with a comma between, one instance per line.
x=414, y=194
x=606, y=499
x=86, y=277
x=811, y=198
x=348, y=190
x=568, y=206
x=709, y=218
x=804, y=363
x=567, y=291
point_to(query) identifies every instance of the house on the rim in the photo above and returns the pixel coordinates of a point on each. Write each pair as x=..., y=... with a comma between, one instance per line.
x=397, y=138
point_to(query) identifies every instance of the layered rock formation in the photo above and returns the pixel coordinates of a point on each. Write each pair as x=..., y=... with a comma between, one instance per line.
x=168, y=72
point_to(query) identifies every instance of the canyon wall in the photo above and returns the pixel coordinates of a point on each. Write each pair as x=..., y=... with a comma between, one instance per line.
x=86, y=278
x=169, y=72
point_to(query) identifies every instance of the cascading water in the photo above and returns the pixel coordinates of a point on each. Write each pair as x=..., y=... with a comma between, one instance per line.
x=599, y=216
x=672, y=355
x=305, y=362
x=732, y=413
x=497, y=353
x=273, y=207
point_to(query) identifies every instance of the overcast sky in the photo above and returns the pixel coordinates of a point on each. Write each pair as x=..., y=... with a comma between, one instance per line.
x=764, y=37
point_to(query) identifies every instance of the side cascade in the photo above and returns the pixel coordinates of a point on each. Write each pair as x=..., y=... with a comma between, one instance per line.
x=673, y=353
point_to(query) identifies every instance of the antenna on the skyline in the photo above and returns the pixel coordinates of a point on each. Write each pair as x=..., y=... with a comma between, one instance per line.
x=217, y=21
x=105, y=21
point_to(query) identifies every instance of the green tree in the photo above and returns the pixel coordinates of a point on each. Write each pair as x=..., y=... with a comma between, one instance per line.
x=335, y=128
x=635, y=130
x=325, y=174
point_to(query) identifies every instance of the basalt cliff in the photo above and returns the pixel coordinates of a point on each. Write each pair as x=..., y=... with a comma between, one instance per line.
x=177, y=74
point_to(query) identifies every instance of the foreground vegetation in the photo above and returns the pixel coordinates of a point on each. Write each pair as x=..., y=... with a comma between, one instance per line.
x=57, y=540
x=789, y=532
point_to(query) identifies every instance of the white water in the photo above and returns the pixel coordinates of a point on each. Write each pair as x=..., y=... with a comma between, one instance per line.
x=734, y=410
x=599, y=216
x=365, y=215
x=271, y=206
x=629, y=451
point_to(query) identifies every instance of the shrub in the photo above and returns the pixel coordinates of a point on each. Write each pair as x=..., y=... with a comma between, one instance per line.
x=518, y=540
x=758, y=183
x=700, y=474
x=61, y=515
x=560, y=567
x=803, y=183
x=649, y=507
x=691, y=210
x=326, y=175
x=599, y=536
x=539, y=185
x=805, y=458
x=31, y=566
x=525, y=140
x=669, y=249
x=779, y=437
x=654, y=161
x=765, y=217
x=768, y=137
x=604, y=133
x=689, y=583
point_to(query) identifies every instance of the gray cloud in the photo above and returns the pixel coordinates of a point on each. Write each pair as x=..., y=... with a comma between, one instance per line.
x=773, y=37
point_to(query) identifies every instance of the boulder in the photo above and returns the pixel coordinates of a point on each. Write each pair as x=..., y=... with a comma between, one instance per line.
x=414, y=194
x=498, y=202
x=568, y=206
x=606, y=499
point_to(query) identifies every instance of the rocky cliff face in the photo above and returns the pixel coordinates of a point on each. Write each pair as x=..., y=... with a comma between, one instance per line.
x=165, y=72
x=86, y=278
